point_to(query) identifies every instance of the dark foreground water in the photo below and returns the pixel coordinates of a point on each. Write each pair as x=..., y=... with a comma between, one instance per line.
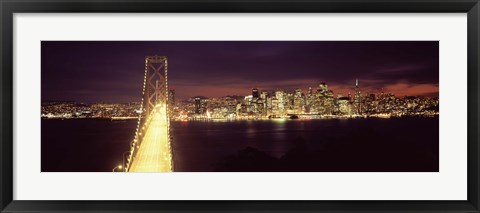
x=333, y=145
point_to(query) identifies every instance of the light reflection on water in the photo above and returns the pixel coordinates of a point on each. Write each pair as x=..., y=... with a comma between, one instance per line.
x=95, y=145
x=217, y=139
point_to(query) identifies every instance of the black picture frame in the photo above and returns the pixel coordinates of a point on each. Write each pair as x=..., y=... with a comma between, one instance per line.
x=9, y=7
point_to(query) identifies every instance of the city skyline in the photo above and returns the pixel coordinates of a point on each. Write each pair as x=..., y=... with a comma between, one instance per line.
x=234, y=68
x=319, y=102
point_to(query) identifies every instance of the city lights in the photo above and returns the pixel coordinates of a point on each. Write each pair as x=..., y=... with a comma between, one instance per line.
x=318, y=103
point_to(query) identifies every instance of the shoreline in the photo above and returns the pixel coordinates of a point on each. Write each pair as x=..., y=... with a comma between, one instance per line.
x=255, y=119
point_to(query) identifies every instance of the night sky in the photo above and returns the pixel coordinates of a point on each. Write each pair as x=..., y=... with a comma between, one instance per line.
x=112, y=71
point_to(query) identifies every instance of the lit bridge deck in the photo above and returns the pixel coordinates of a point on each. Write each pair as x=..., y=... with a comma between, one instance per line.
x=154, y=154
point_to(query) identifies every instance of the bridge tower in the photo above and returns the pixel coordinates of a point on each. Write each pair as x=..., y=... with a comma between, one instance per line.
x=155, y=98
x=155, y=90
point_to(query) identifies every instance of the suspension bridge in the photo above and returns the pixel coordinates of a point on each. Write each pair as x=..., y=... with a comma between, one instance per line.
x=150, y=150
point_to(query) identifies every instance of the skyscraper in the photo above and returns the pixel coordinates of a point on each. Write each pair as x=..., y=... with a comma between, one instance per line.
x=198, y=105
x=280, y=97
x=357, y=99
x=322, y=88
x=309, y=100
x=255, y=93
x=298, y=101
x=264, y=95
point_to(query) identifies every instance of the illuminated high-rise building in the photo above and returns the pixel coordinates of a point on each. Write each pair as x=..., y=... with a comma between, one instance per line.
x=255, y=93
x=288, y=102
x=344, y=106
x=298, y=101
x=324, y=100
x=266, y=101
x=322, y=87
x=357, y=99
x=309, y=100
x=269, y=105
x=280, y=97
x=264, y=95
x=198, y=105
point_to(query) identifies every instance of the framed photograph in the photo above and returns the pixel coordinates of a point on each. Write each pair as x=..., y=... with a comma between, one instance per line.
x=184, y=106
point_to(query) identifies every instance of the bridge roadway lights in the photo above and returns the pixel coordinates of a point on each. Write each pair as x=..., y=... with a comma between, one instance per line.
x=119, y=167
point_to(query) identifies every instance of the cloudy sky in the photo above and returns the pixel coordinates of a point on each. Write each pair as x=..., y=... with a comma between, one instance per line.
x=93, y=71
